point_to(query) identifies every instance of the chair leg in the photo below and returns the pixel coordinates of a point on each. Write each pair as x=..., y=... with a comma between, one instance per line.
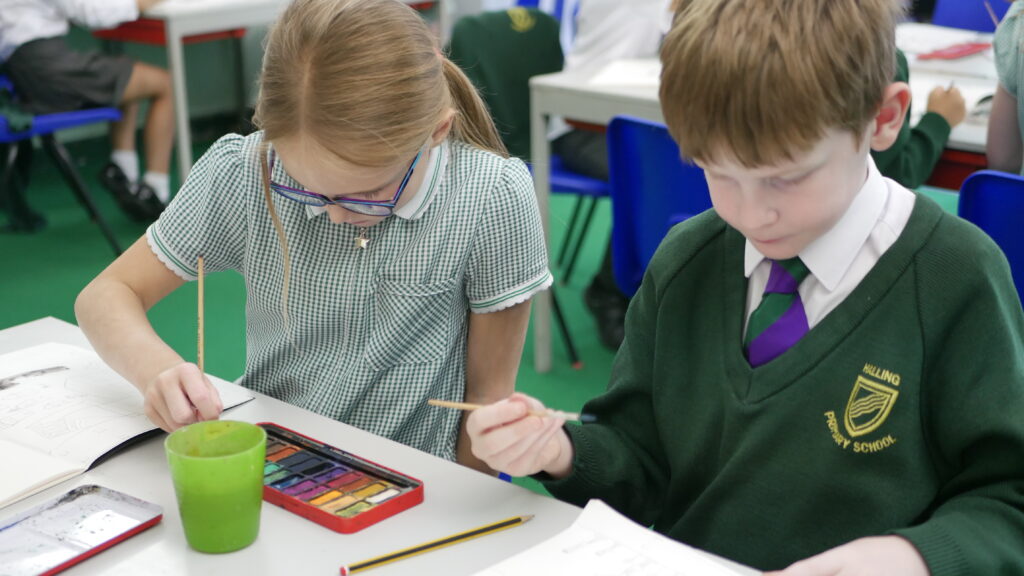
x=579, y=240
x=17, y=167
x=576, y=211
x=563, y=328
x=67, y=168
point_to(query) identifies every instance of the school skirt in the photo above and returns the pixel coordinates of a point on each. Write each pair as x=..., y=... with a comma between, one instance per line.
x=51, y=77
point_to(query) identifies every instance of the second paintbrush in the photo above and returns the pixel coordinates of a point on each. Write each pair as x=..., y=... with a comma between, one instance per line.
x=569, y=416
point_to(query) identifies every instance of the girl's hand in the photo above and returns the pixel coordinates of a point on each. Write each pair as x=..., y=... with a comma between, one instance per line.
x=509, y=439
x=181, y=395
x=874, y=556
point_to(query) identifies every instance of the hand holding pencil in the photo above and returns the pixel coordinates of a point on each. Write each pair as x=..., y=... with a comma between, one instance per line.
x=509, y=437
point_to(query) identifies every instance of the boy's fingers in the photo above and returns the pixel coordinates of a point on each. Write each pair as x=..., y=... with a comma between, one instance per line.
x=495, y=415
x=526, y=443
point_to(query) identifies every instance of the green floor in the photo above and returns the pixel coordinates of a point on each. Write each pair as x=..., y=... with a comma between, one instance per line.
x=44, y=272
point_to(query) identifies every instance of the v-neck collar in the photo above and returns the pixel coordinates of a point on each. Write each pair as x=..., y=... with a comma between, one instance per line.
x=757, y=384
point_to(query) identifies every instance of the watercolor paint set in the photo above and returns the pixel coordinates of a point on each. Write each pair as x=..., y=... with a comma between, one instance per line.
x=329, y=486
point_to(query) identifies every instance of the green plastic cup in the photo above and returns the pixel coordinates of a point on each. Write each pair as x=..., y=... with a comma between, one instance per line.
x=217, y=469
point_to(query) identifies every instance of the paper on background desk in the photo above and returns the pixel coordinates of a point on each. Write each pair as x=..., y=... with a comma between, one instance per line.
x=56, y=424
x=644, y=72
x=914, y=39
x=602, y=542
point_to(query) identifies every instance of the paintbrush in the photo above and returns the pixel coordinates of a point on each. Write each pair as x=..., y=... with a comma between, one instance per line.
x=569, y=416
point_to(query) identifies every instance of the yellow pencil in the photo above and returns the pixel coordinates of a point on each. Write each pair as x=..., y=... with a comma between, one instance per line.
x=569, y=416
x=201, y=344
x=434, y=545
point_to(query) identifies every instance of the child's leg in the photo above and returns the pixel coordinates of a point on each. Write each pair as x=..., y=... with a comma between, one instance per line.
x=153, y=84
x=122, y=139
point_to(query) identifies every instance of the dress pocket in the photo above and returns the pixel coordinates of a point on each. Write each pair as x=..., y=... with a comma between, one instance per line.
x=412, y=323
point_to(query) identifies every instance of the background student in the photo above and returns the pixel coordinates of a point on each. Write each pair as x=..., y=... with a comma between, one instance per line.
x=52, y=77
x=606, y=30
x=1003, y=149
x=388, y=245
x=912, y=158
x=824, y=374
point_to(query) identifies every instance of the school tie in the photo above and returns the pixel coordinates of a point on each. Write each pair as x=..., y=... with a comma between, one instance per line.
x=779, y=321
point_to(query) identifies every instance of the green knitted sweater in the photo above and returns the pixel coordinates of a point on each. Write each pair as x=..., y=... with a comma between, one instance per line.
x=901, y=411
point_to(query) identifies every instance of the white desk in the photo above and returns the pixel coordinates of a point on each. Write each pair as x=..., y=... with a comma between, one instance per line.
x=183, y=18
x=575, y=96
x=456, y=499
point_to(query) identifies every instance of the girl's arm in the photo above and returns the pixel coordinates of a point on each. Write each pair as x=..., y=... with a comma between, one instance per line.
x=111, y=310
x=1003, y=147
x=495, y=347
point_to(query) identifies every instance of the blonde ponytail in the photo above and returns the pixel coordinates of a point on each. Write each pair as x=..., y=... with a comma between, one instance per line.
x=473, y=121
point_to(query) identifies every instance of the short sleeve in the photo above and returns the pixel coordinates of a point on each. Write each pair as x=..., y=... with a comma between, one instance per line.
x=208, y=215
x=1007, y=47
x=508, y=262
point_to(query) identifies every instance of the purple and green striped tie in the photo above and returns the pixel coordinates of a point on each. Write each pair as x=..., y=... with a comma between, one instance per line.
x=779, y=321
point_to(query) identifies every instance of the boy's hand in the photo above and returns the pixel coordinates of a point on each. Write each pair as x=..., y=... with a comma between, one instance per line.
x=181, y=395
x=874, y=556
x=509, y=439
x=948, y=103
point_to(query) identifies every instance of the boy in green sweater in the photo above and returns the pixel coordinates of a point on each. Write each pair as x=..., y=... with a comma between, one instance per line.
x=824, y=375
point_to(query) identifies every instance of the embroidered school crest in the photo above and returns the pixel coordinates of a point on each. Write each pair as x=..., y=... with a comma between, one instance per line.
x=869, y=405
x=522, y=21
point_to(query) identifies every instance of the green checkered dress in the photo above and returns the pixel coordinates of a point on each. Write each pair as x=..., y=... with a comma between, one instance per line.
x=375, y=332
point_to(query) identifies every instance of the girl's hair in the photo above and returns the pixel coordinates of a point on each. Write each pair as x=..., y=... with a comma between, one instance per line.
x=366, y=80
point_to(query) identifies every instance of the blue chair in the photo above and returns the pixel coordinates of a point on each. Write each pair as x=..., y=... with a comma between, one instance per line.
x=994, y=202
x=652, y=190
x=969, y=14
x=46, y=126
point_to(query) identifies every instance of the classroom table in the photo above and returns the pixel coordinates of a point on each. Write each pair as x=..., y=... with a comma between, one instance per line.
x=584, y=98
x=183, y=18
x=456, y=499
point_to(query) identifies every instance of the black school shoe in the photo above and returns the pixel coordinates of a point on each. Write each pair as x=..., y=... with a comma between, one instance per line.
x=140, y=203
x=609, y=310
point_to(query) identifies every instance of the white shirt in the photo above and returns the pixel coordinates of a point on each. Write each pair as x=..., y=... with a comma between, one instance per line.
x=844, y=255
x=609, y=30
x=22, y=21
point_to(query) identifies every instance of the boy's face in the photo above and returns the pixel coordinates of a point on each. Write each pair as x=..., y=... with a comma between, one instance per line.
x=782, y=208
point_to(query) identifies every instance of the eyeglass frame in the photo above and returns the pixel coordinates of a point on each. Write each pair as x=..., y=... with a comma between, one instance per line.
x=346, y=203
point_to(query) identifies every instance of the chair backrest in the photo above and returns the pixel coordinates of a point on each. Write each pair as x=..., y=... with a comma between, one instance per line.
x=652, y=190
x=994, y=202
x=500, y=52
x=969, y=14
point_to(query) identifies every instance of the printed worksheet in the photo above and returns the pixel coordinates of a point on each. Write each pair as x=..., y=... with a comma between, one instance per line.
x=602, y=542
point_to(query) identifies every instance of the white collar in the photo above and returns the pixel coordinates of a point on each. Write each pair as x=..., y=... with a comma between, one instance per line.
x=437, y=161
x=830, y=256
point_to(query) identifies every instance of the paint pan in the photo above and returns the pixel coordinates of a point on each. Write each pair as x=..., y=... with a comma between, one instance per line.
x=329, y=486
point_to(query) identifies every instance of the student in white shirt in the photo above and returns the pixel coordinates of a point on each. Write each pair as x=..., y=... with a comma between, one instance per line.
x=50, y=76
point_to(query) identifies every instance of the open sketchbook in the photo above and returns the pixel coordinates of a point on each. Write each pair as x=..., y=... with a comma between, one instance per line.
x=602, y=542
x=61, y=409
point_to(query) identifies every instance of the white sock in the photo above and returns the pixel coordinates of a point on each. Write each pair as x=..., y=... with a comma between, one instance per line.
x=128, y=162
x=160, y=183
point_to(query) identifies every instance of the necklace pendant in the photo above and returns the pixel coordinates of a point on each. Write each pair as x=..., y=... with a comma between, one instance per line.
x=362, y=241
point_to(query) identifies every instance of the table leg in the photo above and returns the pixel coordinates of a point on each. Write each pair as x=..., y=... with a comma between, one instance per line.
x=539, y=150
x=176, y=62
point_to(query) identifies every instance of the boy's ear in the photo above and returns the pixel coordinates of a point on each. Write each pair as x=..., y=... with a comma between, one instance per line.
x=443, y=128
x=889, y=120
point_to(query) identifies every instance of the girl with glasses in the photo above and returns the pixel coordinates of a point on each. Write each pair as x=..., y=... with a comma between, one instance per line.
x=388, y=244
